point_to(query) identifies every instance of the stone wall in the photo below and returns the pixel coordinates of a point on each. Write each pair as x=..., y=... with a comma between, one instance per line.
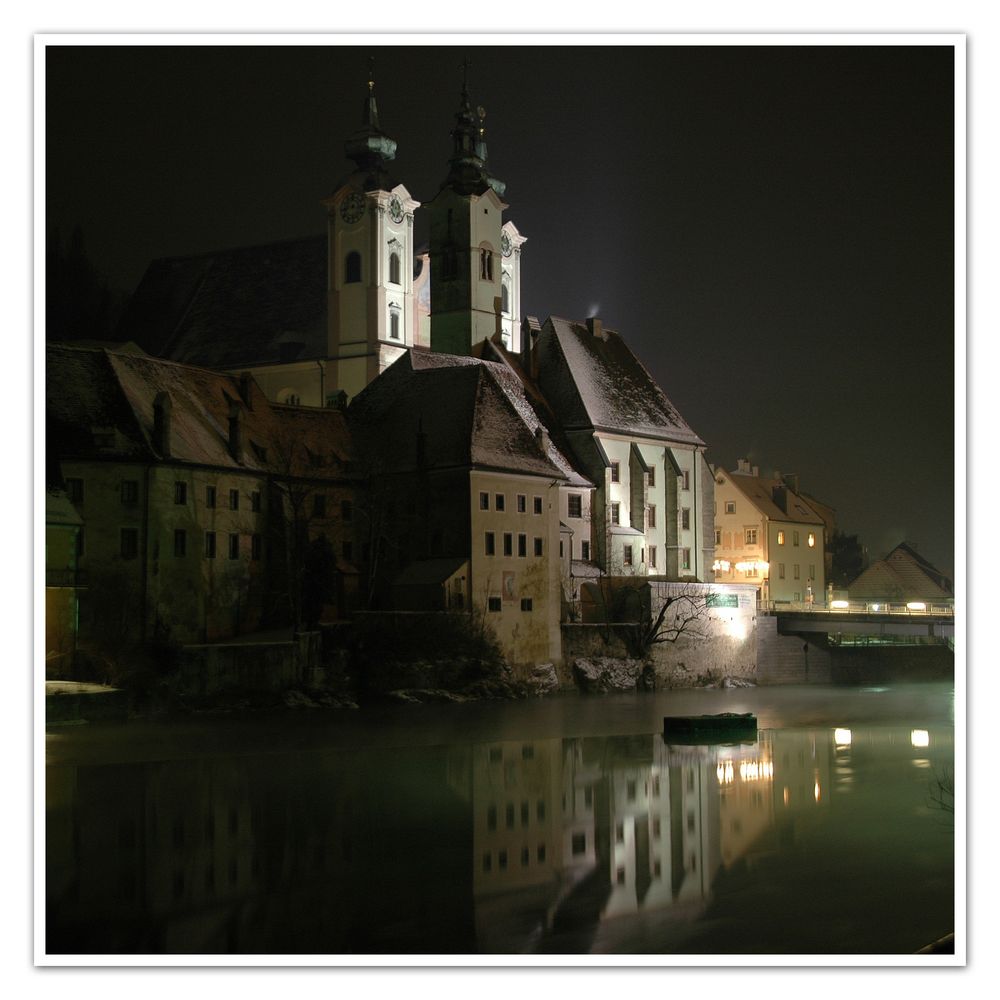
x=789, y=659
x=254, y=667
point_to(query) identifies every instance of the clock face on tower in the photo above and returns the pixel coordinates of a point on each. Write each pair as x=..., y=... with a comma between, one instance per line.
x=352, y=207
x=395, y=209
x=505, y=245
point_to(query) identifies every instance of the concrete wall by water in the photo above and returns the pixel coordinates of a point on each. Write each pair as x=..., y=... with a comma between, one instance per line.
x=788, y=659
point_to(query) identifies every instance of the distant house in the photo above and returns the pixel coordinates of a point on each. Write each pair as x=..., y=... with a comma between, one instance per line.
x=768, y=534
x=197, y=498
x=63, y=541
x=903, y=575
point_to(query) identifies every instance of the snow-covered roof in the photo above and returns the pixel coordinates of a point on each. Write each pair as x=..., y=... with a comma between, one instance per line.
x=593, y=380
x=759, y=490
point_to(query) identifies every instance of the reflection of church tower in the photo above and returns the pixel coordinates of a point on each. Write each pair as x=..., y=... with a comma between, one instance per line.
x=475, y=258
x=370, y=251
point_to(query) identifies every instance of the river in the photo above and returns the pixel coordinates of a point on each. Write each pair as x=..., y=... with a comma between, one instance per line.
x=559, y=825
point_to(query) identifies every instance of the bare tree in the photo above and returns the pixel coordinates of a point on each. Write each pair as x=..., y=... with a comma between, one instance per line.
x=682, y=613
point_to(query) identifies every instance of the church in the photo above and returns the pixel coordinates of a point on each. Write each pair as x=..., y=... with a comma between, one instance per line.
x=505, y=463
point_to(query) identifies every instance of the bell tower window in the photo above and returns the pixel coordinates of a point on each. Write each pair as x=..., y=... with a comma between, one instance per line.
x=394, y=324
x=394, y=268
x=486, y=264
x=352, y=268
x=505, y=298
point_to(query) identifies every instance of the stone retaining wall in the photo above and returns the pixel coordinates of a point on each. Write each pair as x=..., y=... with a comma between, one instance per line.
x=789, y=659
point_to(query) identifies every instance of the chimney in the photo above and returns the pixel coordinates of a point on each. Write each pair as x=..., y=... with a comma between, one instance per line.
x=595, y=326
x=743, y=466
x=542, y=437
x=236, y=431
x=755, y=471
x=161, y=424
x=246, y=389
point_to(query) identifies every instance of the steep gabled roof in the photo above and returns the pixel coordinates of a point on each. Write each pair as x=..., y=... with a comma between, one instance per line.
x=904, y=575
x=759, y=490
x=233, y=307
x=595, y=381
x=460, y=409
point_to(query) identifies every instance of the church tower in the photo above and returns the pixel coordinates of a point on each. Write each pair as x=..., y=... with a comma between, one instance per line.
x=475, y=258
x=370, y=313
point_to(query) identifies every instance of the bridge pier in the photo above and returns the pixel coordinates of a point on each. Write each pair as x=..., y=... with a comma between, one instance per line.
x=790, y=659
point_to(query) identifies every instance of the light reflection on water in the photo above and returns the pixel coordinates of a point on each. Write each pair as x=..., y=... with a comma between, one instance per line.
x=805, y=841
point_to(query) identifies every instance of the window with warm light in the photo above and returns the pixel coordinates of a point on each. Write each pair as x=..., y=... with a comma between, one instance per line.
x=781, y=538
x=811, y=540
x=750, y=536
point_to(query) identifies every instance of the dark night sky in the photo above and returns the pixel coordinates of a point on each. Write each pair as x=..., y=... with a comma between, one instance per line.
x=771, y=228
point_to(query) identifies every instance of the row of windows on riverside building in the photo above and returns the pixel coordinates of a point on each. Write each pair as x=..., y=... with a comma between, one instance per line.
x=683, y=478
x=520, y=500
x=508, y=544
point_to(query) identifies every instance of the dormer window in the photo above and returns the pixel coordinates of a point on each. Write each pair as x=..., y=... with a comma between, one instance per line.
x=352, y=268
x=394, y=268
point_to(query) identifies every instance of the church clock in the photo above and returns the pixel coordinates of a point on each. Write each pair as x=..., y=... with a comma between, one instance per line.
x=395, y=209
x=505, y=244
x=352, y=207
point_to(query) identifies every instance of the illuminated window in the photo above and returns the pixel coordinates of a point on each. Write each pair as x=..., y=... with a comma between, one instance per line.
x=811, y=540
x=484, y=501
x=209, y=544
x=575, y=505
x=686, y=519
x=130, y=492
x=781, y=538
x=522, y=546
x=627, y=555
x=615, y=472
x=616, y=513
x=730, y=506
x=491, y=544
x=750, y=536
x=180, y=542
x=180, y=493
x=522, y=504
x=537, y=505
x=394, y=268
x=352, y=268
x=74, y=490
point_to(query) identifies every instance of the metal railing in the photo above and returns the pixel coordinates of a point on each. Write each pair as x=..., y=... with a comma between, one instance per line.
x=907, y=609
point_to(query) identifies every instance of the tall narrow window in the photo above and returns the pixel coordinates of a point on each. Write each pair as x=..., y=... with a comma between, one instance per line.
x=234, y=546
x=393, y=325
x=651, y=520
x=491, y=544
x=522, y=546
x=180, y=493
x=627, y=555
x=209, y=544
x=615, y=472
x=352, y=268
x=508, y=543
x=685, y=558
x=538, y=546
x=686, y=519
x=486, y=264
x=652, y=557
x=616, y=513
x=585, y=551
x=505, y=298
x=394, y=268
x=575, y=505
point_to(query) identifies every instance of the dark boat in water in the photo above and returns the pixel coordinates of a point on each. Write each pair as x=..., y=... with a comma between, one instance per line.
x=728, y=727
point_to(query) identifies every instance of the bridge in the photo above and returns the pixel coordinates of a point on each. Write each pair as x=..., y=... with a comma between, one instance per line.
x=883, y=620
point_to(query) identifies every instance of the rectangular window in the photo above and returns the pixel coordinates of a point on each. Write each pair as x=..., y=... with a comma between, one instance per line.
x=234, y=546
x=795, y=571
x=210, y=496
x=781, y=571
x=537, y=504
x=525, y=603
x=234, y=499
x=209, y=544
x=319, y=505
x=616, y=513
x=491, y=543
x=652, y=557
x=540, y=853
x=522, y=504
x=579, y=843
x=130, y=492
x=538, y=546
x=500, y=502
x=795, y=538
x=685, y=480
x=74, y=490
x=346, y=510
x=180, y=542
x=686, y=519
x=522, y=546
x=561, y=548
x=652, y=475
x=627, y=555
x=685, y=558
x=781, y=538
x=494, y=604
x=484, y=501
x=810, y=540
x=718, y=536
x=129, y=543
x=730, y=506
x=255, y=501
x=575, y=505
x=255, y=546
x=651, y=516
x=585, y=551
x=180, y=493
x=749, y=536
x=812, y=571
x=508, y=543
x=615, y=472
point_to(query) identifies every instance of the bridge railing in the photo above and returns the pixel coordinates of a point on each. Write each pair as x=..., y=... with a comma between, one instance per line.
x=908, y=609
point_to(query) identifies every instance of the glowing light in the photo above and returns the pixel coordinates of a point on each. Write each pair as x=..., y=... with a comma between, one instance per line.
x=839, y=605
x=786, y=795
x=752, y=566
x=842, y=737
x=811, y=540
x=916, y=606
x=721, y=565
x=920, y=738
x=816, y=791
x=875, y=607
x=736, y=628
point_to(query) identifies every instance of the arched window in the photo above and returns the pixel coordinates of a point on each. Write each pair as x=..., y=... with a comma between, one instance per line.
x=505, y=298
x=394, y=268
x=394, y=324
x=352, y=268
x=486, y=264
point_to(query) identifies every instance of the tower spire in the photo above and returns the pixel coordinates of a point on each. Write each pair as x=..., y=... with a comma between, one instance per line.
x=467, y=172
x=370, y=148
